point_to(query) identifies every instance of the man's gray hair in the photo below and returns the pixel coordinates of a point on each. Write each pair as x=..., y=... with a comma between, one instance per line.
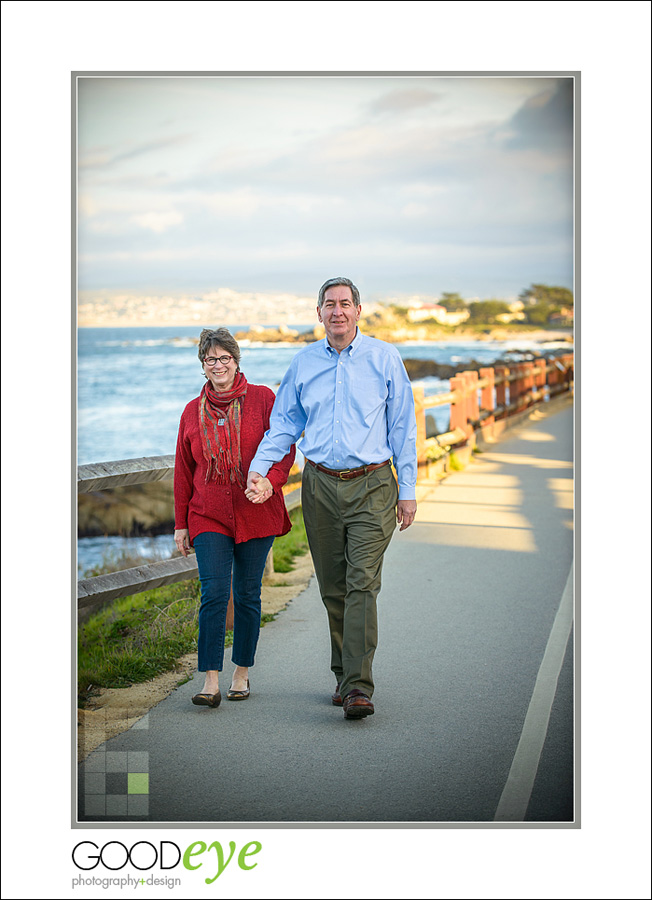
x=335, y=282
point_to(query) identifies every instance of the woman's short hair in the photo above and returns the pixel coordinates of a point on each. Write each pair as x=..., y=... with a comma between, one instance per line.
x=222, y=337
x=335, y=282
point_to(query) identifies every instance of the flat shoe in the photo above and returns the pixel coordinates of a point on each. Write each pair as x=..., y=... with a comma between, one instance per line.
x=336, y=698
x=213, y=700
x=238, y=695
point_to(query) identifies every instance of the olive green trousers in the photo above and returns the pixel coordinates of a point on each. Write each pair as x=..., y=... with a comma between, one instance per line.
x=349, y=526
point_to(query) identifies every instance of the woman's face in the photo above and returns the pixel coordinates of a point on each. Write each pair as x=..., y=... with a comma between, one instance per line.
x=221, y=373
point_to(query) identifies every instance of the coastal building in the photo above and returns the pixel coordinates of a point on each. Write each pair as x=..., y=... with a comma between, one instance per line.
x=506, y=318
x=565, y=316
x=438, y=313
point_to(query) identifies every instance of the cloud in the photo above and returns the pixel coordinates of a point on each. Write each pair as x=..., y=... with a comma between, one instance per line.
x=103, y=157
x=158, y=222
x=402, y=101
x=440, y=185
x=544, y=122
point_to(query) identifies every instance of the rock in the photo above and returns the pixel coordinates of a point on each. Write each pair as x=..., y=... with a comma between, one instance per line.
x=129, y=511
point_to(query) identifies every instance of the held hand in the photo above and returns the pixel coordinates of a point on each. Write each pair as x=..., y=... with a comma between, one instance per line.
x=406, y=510
x=252, y=481
x=259, y=489
x=182, y=540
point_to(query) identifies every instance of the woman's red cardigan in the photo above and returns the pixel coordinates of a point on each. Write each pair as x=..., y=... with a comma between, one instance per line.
x=223, y=508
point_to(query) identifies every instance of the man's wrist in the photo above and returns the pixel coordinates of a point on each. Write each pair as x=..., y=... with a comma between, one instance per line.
x=259, y=466
x=407, y=492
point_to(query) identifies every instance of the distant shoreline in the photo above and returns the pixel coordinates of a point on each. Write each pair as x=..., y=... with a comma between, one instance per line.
x=493, y=333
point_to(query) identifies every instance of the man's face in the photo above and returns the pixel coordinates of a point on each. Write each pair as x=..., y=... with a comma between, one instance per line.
x=339, y=315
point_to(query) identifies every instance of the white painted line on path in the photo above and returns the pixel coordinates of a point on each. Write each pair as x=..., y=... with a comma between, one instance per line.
x=520, y=781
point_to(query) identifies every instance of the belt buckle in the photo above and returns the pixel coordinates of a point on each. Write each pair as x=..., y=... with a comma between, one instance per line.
x=342, y=474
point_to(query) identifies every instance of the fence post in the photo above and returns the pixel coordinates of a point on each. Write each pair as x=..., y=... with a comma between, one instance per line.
x=539, y=378
x=472, y=386
x=521, y=398
x=528, y=368
x=501, y=389
x=459, y=418
x=420, y=413
x=487, y=402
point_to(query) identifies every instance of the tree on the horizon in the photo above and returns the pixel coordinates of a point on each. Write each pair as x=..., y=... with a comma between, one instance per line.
x=542, y=301
x=554, y=296
x=487, y=310
x=451, y=301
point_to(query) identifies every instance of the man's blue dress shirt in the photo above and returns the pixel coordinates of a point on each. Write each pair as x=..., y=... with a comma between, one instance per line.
x=355, y=408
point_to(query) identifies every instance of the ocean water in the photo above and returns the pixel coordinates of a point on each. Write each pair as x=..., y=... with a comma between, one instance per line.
x=133, y=383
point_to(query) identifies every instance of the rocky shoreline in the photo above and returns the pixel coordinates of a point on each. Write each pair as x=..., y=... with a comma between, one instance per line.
x=138, y=510
x=402, y=333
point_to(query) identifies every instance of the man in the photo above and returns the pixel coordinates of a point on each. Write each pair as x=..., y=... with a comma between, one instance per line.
x=351, y=397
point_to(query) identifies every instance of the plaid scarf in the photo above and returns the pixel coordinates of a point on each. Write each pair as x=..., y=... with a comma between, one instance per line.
x=219, y=426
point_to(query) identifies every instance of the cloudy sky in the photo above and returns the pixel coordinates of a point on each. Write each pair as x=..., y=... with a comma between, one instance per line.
x=408, y=185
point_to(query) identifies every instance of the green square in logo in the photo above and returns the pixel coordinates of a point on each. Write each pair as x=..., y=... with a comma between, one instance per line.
x=138, y=783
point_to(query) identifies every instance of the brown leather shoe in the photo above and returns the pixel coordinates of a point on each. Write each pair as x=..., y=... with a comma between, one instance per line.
x=213, y=700
x=357, y=705
x=336, y=698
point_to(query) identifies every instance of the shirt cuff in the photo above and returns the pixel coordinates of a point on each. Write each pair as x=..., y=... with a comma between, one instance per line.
x=260, y=466
x=407, y=492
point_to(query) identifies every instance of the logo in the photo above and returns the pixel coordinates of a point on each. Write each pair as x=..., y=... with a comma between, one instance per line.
x=143, y=855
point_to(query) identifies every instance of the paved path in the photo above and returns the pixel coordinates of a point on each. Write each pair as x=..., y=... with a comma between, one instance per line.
x=474, y=680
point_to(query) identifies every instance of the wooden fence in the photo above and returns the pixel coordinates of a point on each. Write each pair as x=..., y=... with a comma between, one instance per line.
x=479, y=401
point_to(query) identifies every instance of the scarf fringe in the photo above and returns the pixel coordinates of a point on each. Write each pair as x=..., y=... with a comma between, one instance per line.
x=221, y=443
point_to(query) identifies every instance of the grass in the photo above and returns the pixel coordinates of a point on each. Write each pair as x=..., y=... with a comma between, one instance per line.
x=455, y=464
x=138, y=637
x=436, y=451
x=295, y=543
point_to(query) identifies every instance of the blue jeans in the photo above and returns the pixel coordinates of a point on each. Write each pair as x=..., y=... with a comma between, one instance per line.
x=217, y=554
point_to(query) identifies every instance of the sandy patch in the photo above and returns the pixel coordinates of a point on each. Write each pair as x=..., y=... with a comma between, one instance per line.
x=114, y=710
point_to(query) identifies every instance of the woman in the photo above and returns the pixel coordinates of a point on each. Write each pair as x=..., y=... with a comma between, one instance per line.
x=218, y=436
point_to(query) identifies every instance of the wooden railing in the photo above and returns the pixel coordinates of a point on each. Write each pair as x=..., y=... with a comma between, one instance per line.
x=479, y=402
x=482, y=401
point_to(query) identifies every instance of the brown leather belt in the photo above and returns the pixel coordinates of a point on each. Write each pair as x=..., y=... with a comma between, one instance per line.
x=347, y=474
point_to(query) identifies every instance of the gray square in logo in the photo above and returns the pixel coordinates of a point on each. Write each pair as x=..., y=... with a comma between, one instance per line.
x=95, y=783
x=138, y=805
x=96, y=762
x=116, y=804
x=95, y=805
x=116, y=782
x=138, y=761
x=116, y=761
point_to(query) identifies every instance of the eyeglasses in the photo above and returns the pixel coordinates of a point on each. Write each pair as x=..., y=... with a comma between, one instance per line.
x=212, y=360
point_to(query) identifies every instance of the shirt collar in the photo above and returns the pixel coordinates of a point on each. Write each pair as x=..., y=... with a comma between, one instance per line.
x=353, y=346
